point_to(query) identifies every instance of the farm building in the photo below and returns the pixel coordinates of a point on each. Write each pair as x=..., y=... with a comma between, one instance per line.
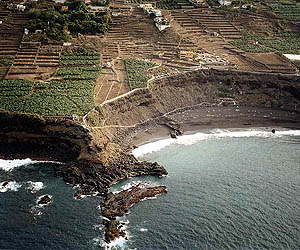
x=59, y=1
x=146, y=7
x=21, y=7
x=161, y=23
x=64, y=8
x=96, y=9
x=225, y=2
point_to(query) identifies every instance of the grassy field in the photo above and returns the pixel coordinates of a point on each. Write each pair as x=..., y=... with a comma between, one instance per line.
x=72, y=93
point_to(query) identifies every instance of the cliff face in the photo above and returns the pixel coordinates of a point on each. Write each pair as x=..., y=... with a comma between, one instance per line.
x=23, y=135
x=91, y=160
x=94, y=153
x=166, y=94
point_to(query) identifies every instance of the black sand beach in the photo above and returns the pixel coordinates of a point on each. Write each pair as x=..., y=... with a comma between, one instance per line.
x=207, y=118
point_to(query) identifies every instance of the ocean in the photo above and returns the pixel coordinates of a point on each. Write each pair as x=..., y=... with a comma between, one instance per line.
x=227, y=189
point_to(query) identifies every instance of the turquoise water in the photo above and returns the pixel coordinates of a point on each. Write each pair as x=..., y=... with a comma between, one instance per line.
x=226, y=190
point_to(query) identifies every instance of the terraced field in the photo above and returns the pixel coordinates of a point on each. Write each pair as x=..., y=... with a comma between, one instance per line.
x=10, y=36
x=289, y=9
x=35, y=61
x=70, y=92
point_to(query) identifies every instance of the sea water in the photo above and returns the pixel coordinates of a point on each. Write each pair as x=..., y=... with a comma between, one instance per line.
x=226, y=190
x=65, y=223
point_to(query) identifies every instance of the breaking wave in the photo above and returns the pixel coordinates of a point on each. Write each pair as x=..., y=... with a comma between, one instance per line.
x=217, y=133
x=9, y=165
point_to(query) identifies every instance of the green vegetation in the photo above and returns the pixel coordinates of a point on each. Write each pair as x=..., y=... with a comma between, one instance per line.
x=80, y=65
x=51, y=98
x=136, y=70
x=297, y=64
x=224, y=92
x=287, y=9
x=283, y=43
x=73, y=94
x=57, y=22
x=100, y=2
x=6, y=60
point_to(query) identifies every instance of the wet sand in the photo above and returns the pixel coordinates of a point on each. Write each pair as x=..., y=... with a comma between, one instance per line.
x=208, y=118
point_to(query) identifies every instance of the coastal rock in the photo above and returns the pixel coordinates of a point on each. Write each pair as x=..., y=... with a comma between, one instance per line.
x=118, y=204
x=173, y=135
x=5, y=183
x=44, y=200
x=97, y=177
x=112, y=230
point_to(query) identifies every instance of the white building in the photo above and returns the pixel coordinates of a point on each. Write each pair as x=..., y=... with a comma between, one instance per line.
x=225, y=2
x=155, y=12
x=161, y=23
x=21, y=7
x=59, y=1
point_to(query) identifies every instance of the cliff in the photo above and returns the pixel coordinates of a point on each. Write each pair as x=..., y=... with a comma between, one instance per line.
x=94, y=152
x=125, y=116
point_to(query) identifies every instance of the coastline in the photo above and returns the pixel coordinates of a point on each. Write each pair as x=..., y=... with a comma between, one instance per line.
x=205, y=119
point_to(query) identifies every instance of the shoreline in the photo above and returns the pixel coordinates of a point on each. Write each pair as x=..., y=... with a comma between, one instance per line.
x=206, y=119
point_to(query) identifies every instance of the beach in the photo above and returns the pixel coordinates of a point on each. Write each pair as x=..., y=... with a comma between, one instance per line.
x=205, y=119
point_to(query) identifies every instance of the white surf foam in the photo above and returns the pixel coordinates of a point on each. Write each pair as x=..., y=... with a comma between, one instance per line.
x=118, y=243
x=132, y=184
x=35, y=186
x=35, y=210
x=218, y=133
x=9, y=186
x=9, y=165
x=144, y=230
x=40, y=198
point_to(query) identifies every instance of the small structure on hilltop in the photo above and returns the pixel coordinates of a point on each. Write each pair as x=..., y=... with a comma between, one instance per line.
x=64, y=8
x=59, y=1
x=97, y=9
x=160, y=22
x=146, y=7
x=21, y=7
x=225, y=2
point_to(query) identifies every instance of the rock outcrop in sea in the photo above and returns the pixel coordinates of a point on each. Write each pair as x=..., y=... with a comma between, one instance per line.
x=117, y=205
x=95, y=154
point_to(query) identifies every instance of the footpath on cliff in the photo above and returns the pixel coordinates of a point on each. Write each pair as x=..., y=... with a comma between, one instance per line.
x=96, y=154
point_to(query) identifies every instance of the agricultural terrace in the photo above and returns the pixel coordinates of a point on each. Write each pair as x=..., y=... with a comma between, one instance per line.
x=137, y=72
x=70, y=92
x=284, y=43
x=58, y=22
x=166, y=4
x=288, y=9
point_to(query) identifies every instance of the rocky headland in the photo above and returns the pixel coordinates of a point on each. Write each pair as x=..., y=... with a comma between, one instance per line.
x=95, y=151
x=117, y=205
